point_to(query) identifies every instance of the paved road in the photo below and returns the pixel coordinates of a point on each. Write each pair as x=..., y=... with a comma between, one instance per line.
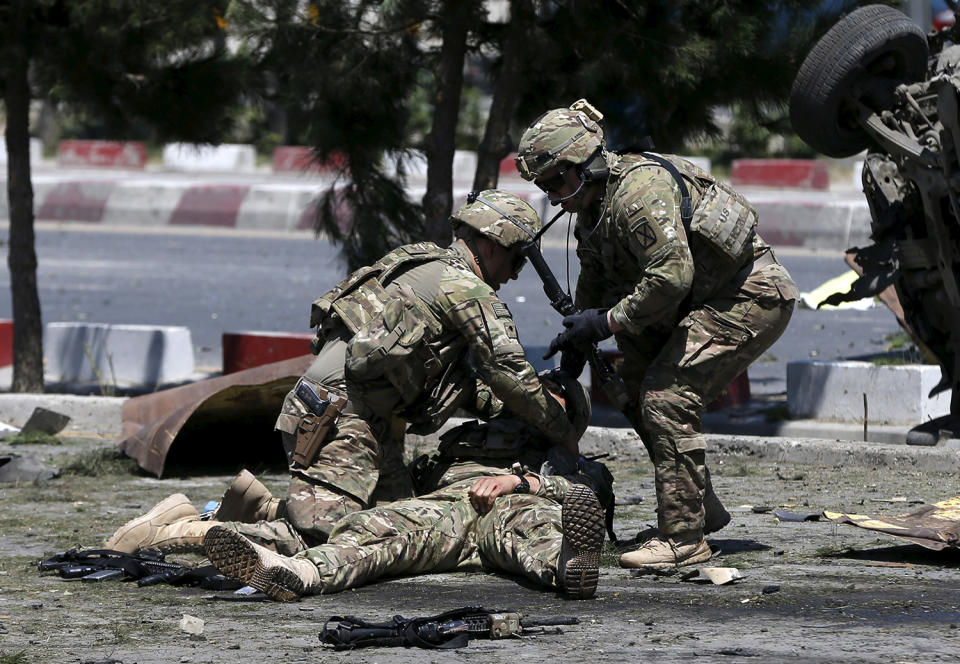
x=217, y=281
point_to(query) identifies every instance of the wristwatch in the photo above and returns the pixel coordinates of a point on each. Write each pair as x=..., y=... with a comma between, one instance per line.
x=524, y=486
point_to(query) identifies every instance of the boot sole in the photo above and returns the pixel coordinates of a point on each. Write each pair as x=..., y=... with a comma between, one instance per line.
x=583, y=533
x=236, y=557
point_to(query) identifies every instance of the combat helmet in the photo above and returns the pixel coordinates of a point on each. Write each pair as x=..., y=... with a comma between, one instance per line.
x=570, y=135
x=506, y=219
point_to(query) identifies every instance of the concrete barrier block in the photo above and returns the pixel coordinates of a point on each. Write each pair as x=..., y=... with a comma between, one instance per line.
x=464, y=165
x=191, y=157
x=276, y=206
x=36, y=152
x=801, y=173
x=299, y=159
x=245, y=350
x=6, y=343
x=895, y=394
x=139, y=203
x=102, y=154
x=813, y=224
x=129, y=355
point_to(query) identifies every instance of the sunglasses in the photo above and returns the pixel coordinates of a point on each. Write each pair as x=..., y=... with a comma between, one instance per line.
x=553, y=184
x=517, y=261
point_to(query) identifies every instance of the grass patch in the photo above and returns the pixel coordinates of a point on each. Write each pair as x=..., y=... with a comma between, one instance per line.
x=14, y=658
x=33, y=438
x=898, y=341
x=99, y=462
x=891, y=361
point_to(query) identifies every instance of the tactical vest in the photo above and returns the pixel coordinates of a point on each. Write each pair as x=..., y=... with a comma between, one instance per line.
x=392, y=334
x=361, y=297
x=721, y=230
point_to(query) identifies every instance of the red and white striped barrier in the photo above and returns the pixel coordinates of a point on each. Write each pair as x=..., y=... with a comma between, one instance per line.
x=6, y=343
x=245, y=350
x=798, y=173
x=102, y=154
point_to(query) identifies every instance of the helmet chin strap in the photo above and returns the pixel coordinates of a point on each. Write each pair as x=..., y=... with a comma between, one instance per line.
x=583, y=181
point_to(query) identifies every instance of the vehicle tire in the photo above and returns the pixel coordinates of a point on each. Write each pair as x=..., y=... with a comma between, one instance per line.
x=864, y=57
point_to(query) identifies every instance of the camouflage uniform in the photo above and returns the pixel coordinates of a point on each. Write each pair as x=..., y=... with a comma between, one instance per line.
x=698, y=300
x=441, y=530
x=404, y=343
x=693, y=317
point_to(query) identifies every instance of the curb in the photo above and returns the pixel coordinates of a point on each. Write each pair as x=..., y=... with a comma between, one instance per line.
x=101, y=416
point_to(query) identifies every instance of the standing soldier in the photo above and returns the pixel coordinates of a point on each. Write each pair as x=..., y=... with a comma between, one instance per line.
x=400, y=346
x=672, y=268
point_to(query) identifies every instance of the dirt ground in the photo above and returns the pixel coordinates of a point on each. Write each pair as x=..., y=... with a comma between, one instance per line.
x=811, y=592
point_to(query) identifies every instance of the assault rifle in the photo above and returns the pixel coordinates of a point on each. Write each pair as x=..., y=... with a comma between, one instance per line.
x=610, y=382
x=452, y=629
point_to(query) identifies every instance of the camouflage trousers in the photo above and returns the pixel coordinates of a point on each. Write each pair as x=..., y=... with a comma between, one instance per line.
x=673, y=376
x=359, y=464
x=439, y=532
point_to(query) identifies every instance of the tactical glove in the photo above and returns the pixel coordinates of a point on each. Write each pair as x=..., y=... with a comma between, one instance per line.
x=585, y=328
x=572, y=361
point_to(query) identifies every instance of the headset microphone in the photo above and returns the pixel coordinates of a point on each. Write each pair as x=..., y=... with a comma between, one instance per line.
x=583, y=181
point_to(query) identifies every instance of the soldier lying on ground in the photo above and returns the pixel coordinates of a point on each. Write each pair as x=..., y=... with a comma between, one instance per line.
x=400, y=345
x=546, y=526
x=672, y=267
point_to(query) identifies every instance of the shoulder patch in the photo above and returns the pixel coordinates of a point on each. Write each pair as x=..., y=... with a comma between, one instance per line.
x=646, y=236
x=500, y=309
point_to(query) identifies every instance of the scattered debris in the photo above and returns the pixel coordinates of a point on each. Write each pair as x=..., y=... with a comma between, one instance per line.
x=634, y=499
x=786, y=515
x=934, y=526
x=16, y=468
x=718, y=576
x=43, y=420
x=769, y=590
x=761, y=509
x=191, y=624
x=7, y=430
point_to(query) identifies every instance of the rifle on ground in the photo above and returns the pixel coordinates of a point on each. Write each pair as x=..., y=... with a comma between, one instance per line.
x=146, y=567
x=449, y=630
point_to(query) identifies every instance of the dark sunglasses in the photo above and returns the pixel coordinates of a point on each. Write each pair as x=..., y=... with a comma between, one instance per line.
x=517, y=261
x=554, y=183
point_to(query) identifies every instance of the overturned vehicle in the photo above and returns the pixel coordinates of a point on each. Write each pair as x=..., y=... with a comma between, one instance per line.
x=876, y=82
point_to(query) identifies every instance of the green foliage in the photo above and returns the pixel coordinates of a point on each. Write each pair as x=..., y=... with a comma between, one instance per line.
x=33, y=438
x=14, y=658
x=129, y=68
x=100, y=462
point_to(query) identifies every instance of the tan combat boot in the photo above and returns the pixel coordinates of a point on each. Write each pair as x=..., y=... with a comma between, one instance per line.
x=132, y=535
x=578, y=567
x=279, y=577
x=666, y=553
x=247, y=500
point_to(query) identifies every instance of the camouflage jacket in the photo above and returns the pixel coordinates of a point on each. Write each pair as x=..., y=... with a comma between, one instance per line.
x=638, y=259
x=431, y=330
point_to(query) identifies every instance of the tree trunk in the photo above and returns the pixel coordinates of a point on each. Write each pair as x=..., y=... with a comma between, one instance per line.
x=440, y=144
x=497, y=142
x=21, y=256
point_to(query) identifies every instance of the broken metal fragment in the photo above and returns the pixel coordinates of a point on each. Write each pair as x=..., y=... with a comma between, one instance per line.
x=934, y=526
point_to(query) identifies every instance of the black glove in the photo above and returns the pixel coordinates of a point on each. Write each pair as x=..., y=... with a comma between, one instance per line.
x=585, y=328
x=572, y=361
